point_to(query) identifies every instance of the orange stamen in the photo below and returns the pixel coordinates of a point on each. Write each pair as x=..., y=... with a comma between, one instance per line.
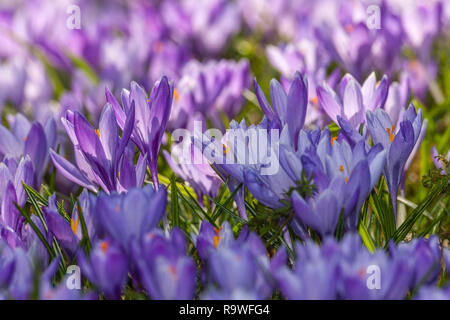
x=341, y=168
x=349, y=28
x=104, y=246
x=391, y=133
x=97, y=132
x=74, y=225
x=346, y=179
x=176, y=95
x=216, y=238
x=333, y=139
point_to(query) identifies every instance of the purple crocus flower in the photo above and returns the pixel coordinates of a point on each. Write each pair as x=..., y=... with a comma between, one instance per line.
x=60, y=292
x=424, y=259
x=345, y=270
x=314, y=275
x=210, y=238
x=240, y=270
x=433, y=293
x=30, y=139
x=152, y=114
x=98, y=152
x=12, y=175
x=200, y=176
x=439, y=163
x=206, y=23
x=284, y=105
x=127, y=216
x=20, y=282
x=366, y=275
x=352, y=100
x=399, y=143
x=205, y=90
x=165, y=271
x=69, y=232
x=106, y=267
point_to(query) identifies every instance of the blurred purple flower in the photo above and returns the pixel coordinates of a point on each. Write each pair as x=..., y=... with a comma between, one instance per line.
x=165, y=271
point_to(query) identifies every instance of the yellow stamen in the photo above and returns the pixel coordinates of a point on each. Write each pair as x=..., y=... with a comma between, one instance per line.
x=74, y=225
x=333, y=139
x=216, y=238
x=118, y=175
x=176, y=95
x=391, y=133
x=97, y=132
x=225, y=148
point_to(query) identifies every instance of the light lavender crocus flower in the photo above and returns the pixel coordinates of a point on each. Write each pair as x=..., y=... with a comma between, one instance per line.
x=399, y=143
x=352, y=100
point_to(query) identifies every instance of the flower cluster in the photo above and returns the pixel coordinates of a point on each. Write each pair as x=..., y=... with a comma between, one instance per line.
x=138, y=159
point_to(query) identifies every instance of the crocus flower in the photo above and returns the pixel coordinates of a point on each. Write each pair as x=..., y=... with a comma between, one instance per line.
x=20, y=282
x=239, y=271
x=152, y=114
x=345, y=270
x=205, y=90
x=399, y=143
x=200, y=176
x=106, y=267
x=69, y=232
x=352, y=100
x=284, y=105
x=206, y=23
x=47, y=291
x=165, y=271
x=424, y=259
x=437, y=162
x=314, y=275
x=210, y=238
x=30, y=139
x=131, y=215
x=98, y=152
x=433, y=293
x=12, y=175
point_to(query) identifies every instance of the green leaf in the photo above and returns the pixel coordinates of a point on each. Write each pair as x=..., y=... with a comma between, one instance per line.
x=366, y=237
x=174, y=206
x=409, y=222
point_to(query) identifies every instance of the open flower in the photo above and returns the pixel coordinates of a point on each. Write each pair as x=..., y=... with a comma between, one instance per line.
x=98, y=152
x=351, y=101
